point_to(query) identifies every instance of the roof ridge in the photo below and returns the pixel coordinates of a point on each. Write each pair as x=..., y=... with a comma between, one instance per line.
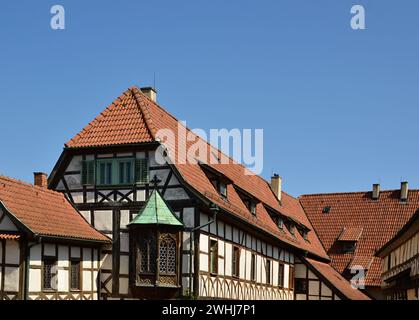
x=137, y=93
x=27, y=184
x=96, y=120
x=349, y=192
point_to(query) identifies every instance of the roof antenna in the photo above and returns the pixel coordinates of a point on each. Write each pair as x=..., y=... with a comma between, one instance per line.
x=154, y=81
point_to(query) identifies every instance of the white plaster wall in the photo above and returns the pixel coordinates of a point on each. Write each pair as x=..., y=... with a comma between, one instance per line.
x=11, y=279
x=7, y=224
x=63, y=256
x=35, y=255
x=260, y=267
x=123, y=286
x=75, y=252
x=189, y=217
x=275, y=273
x=35, y=280
x=203, y=242
x=77, y=197
x=286, y=275
x=75, y=164
x=63, y=278
x=313, y=287
x=87, y=258
x=186, y=235
x=326, y=290
x=106, y=262
x=103, y=220
x=175, y=194
x=248, y=264
x=242, y=269
x=221, y=259
x=140, y=195
x=124, y=242
x=49, y=250
x=228, y=257
x=300, y=271
x=124, y=218
x=124, y=265
x=87, y=280
x=86, y=215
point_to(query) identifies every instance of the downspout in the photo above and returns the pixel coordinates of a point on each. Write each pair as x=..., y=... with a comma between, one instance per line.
x=215, y=209
x=26, y=267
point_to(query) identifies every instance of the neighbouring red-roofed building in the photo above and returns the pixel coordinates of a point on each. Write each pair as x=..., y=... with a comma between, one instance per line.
x=353, y=226
x=400, y=263
x=47, y=249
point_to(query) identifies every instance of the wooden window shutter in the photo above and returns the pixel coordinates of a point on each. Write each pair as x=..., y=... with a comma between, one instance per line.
x=141, y=170
x=88, y=172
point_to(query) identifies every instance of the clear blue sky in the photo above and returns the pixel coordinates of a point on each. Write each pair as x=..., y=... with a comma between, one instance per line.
x=339, y=107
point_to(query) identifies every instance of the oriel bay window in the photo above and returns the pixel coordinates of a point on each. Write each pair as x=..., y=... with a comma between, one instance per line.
x=115, y=171
x=155, y=242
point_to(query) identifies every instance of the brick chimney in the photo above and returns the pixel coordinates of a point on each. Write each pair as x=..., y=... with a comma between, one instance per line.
x=150, y=92
x=375, y=191
x=276, y=186
x=404, y=191
x=40, y=179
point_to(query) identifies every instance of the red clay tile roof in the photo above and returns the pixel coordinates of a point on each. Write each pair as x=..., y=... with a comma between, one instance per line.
x=362, y=261
x=133, y=118
x=350, y=234
x=340, y=283
x=380, y=220
x=7, y=236
x=407, y=228
x=119, y=123
x=45, y=212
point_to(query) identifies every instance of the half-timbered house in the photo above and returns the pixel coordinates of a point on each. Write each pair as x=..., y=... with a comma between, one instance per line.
x=354, y=225
x=200, y=229
x=47, y=249
x=400, y=263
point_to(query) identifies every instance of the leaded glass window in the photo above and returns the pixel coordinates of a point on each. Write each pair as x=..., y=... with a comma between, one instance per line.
x=49, y=273
x=167, y=263
x=75, y=275
x=147, y=254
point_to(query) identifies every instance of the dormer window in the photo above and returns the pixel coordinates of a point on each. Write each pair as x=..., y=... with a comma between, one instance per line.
x=280, y=223
x=304, y=234
x=291, y=228
x=217, y=178
x=348, y=246
x=250, y=205
x=252, y=208
x=222, y=189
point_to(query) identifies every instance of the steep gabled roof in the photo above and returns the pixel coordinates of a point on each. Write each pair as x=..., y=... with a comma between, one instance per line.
x=336, y=280
x=379, y=220
x=44, y=212
x=120, y=123
x=133, y=118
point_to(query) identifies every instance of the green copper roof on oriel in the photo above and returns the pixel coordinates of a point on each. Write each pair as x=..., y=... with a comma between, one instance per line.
x=156, y=211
